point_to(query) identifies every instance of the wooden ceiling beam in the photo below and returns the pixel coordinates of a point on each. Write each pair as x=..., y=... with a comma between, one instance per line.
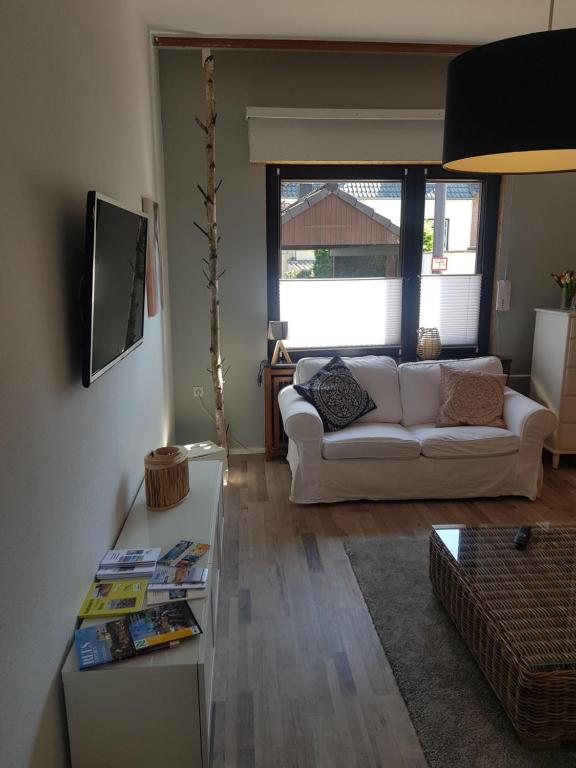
x=326, y=46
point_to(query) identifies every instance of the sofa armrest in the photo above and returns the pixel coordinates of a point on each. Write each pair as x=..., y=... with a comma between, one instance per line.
x=301, y=420
x=528, y=419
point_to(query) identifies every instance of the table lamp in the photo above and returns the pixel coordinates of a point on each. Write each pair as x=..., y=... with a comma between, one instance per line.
x=278, y=331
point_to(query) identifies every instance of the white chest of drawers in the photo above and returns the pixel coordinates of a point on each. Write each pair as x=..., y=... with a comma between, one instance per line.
x=154, y=711
x=553, y=376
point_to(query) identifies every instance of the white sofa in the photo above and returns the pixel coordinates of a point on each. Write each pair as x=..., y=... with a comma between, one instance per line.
x=397, y=452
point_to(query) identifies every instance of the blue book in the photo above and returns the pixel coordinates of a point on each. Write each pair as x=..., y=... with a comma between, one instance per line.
x=103, y=644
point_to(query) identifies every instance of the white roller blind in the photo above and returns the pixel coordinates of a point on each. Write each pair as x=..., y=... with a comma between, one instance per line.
x=344, y=135
x=451, y=303
x=342, y=313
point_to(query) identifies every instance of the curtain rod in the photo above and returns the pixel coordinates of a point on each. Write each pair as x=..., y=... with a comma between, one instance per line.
x=328, y=46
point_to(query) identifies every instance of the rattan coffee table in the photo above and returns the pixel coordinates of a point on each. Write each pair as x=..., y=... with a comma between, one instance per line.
x=516, y=610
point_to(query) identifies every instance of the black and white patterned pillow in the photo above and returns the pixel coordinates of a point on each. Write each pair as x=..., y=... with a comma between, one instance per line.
x=336, y=395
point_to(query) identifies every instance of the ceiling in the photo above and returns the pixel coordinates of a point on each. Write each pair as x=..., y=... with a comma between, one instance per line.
x=438, y=21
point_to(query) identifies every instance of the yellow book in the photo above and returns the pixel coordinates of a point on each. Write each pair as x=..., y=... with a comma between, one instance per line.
x=113, y=598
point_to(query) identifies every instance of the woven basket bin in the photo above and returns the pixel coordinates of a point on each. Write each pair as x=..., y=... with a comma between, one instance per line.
x=429, y=345
x=166, y=477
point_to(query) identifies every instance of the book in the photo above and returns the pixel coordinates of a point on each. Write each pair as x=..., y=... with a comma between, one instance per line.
x=128, y=558
x=113, y=598
x=182, y=576
x=156, y=596
x=184, y=550
x=153, y=629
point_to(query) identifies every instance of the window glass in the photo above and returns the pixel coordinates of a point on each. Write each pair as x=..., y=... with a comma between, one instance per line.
x=449, y=286
x=453, y=208
x=340, y=266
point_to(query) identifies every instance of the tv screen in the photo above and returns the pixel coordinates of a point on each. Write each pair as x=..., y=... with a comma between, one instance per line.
x=115, y=278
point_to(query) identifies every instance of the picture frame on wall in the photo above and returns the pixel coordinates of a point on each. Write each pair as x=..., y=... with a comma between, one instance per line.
x=154, y=281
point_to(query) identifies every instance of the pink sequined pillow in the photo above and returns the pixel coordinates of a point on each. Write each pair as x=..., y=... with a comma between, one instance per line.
x=470, y=398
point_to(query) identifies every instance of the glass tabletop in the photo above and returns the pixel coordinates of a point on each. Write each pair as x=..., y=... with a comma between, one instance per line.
x=530, y=594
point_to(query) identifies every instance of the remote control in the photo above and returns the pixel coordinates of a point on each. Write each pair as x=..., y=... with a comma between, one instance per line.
x=522, y=537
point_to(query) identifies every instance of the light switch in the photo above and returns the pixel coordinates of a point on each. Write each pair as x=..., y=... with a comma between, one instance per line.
x=503, y=292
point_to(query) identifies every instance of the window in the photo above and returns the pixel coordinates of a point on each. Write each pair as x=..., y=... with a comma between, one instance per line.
x=450, y=282
x=340, y=283
x=354, y=263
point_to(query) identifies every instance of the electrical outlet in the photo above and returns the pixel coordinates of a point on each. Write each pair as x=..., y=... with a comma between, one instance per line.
x=198, y=391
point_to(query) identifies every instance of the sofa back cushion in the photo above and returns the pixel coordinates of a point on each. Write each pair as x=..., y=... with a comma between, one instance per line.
x=378, y=375
x=420, y=386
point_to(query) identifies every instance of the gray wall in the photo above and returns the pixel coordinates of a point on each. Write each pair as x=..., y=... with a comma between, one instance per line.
x=76, y=115
x=255, y=79
x=538, y=237
x=536, y=225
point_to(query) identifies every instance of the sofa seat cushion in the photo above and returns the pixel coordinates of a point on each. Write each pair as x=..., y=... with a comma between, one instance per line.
x=464, y=442
x=371, y=441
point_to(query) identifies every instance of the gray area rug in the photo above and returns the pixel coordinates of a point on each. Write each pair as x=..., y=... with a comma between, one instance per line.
x=457, y=717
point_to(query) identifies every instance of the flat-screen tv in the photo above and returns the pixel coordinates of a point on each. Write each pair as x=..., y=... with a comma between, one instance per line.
x=114, y=284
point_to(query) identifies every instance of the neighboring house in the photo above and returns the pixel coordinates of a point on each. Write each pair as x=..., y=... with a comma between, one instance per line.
x=354, y=240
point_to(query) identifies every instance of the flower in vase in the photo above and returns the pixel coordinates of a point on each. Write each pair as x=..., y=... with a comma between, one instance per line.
x=567, y=282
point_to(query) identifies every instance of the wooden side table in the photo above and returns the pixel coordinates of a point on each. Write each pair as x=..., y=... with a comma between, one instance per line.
x=276, y=377
x=506, y=365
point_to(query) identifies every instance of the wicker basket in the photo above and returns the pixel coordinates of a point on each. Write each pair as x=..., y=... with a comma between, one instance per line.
x=166, y=477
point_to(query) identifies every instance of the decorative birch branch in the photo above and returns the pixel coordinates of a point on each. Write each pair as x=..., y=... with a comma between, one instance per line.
x=212, y=272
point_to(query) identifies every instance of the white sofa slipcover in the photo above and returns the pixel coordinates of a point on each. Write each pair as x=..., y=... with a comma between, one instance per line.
x=397, y=452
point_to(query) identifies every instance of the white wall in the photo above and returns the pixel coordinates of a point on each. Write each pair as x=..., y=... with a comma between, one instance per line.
x=76, y=115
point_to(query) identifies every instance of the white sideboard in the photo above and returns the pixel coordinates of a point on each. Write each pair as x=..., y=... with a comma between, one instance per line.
x=154, y=711
x=553, y=375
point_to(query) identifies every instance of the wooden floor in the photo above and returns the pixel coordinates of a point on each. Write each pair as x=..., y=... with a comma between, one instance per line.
x=301, y=678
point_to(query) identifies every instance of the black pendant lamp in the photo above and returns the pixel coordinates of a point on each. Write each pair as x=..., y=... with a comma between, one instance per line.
x=511, y=106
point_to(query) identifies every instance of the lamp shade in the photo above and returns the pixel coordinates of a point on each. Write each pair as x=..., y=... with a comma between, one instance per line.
x=277, y=330
x=511, y=106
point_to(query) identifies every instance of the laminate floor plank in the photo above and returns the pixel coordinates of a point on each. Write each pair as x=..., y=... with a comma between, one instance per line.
x=301, y=680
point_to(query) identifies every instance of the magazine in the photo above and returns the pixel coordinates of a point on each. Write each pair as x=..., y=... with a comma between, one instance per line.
x=175, y=553
x=181, y=576
x=184, y=551
x=113, y=598
x=196, y=551
x=158, y=627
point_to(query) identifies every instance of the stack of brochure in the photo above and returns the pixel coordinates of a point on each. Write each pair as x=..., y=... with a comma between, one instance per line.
x=157, y=596
x=177, y=577
x=128, y=563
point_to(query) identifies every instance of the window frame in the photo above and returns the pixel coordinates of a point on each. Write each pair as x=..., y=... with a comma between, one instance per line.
x=414, y=178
